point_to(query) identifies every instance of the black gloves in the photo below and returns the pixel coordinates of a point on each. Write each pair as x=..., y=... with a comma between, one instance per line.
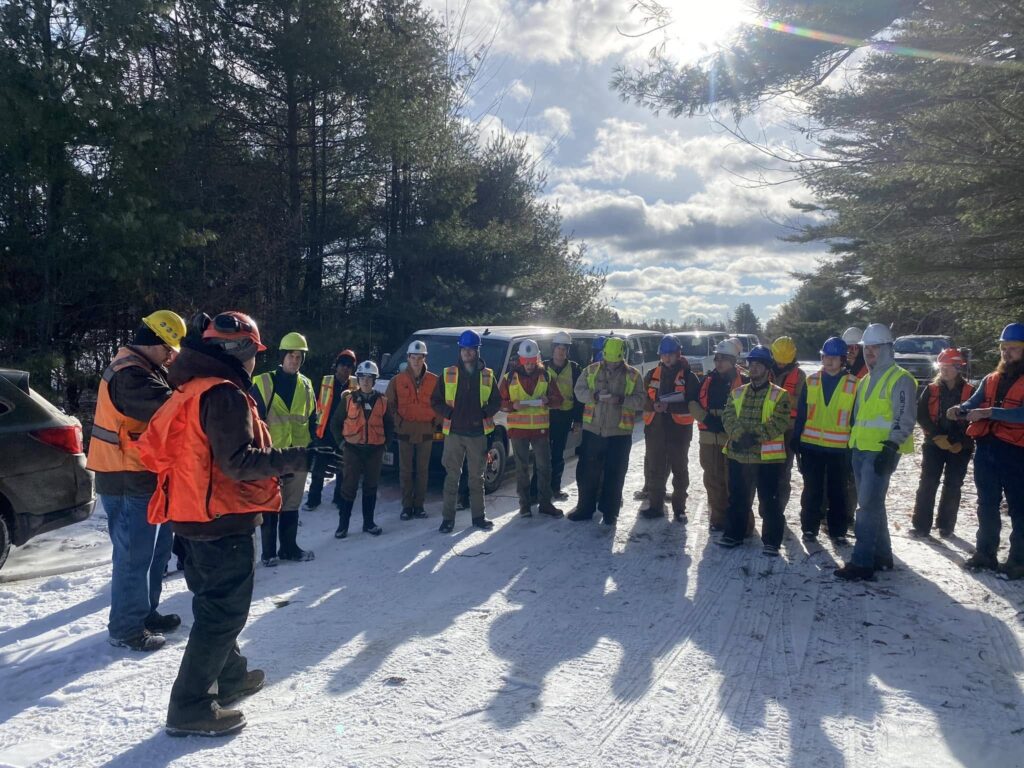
x=885, y=462
x=745, y=442
x=714, y=423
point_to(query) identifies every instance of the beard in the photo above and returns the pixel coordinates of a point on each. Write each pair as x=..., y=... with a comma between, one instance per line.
x=1012, y=370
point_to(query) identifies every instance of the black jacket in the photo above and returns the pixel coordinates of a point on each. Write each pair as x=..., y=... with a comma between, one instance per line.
x=467, y=416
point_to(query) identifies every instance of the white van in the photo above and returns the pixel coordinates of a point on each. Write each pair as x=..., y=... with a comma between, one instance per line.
x=641, y=346
x=698, y=347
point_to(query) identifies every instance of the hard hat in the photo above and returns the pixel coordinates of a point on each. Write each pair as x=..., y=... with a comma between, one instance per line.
x=1014, y=332
x=168, y=325
x=668, y=345
x=952, y=356
x=729, y=347
x=834, y=347
x=417, y=347
x=760, y=354
x=784, y=350
x=598, y=344
x=562, y=338
x=293, y=342
x=343, y=354
x=235, y=332
x=529, y=350
x=853, y=335
x=876, y=333
x=367, y=368
x=469, y=339
x=613, y=349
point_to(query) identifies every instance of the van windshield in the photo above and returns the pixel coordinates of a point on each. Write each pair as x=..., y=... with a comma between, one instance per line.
x=919, y=346
x=695, y=345
x=443, y=351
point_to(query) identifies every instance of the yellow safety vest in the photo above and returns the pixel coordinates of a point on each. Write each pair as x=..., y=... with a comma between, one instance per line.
x=771, y=450
x=288, y=422
x=874, y=413
x=451, y=387
x=828, y=426
x=627, y=417
x=564, y=381
x=531, y=417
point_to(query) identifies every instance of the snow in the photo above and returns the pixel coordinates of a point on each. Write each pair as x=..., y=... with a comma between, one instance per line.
x=543, y=643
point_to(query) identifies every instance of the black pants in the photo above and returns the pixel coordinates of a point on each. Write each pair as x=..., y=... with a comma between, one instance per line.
x=362, y=462
x=558, y=436
x=744, y=480
x=604, y=461
x=826, y=475
x=668, y=448
x=285, y=525
x=220, y=575
x=321, y=463
x=934, y=461
x=999, y=473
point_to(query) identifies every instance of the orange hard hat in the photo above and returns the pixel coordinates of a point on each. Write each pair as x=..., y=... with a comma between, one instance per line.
x=234, y=327
x=951, y=356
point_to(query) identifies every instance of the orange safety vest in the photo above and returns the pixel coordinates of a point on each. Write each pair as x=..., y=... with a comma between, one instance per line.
x=360, y=429
x=414, y=402
x=790, y=384
x=1005, y=431
x=705, y=387
x=654, y=388
x=114, y=435
x=933, y=398
x=190, y=486
x=324, y=402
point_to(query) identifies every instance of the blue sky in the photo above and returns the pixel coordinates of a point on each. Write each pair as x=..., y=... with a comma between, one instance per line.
x=661, y=202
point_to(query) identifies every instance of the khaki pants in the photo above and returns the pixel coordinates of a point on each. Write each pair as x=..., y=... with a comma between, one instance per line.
x=542, y=458
x=292, y=488
x=414, y=469
x=474, y=451
x=668, y=449
x=716, y=482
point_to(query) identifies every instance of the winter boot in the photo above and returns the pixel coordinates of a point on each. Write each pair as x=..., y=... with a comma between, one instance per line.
x=981, y=562
x=160, y=623
x=770, y=550
x=884, y=562
x=1012, y=570
x=219, y=722
x=298, y=556
x=679, y=515
x=641, y=494
x=651, y=512
x=809, y=536
x=289, y=528
x=344, y=513
x=369, y=505
x=254, y=680
x=851, y=572
x=525, y=510
x=269, y=562
x=447, y=526
x=406, y=513
x=578, y=516
x=559, y=495
x=728, y=542
x=549, y=509
x=144, y=642
x=917, y=533
x=419, y=512
x=482, y=523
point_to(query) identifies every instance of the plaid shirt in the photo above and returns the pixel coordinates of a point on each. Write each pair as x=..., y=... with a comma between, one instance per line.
x=749, y=420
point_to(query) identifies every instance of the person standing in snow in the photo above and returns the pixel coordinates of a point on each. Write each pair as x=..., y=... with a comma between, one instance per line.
x=133, y=388
x=331, y=387
x=216, y=474
x=883, y=430
x=947, y=448
x=756, y=421
x=564, y=419
x=287, y=404
x=995, y=413
x=786, y=373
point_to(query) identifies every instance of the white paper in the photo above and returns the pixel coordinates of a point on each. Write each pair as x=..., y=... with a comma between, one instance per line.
x=675, y=397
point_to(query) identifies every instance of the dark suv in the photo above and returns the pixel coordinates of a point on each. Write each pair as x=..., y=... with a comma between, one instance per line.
x=44, y=484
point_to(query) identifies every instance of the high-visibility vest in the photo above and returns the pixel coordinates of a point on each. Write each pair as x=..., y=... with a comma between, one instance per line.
x=828, y=424
x=361, y=428
x=451, y=388
x=654, y=388
x=789, y=383
x=703, y=397
x=563, y=379
x=114, y=435
x=1004, y=430
x=771, y=450
x=627, y=416
x=190, y=486
x=534, y=417
x=326, y=400
x=874, y=414
x=414, y=401
x=288, y=422
x=935, y=396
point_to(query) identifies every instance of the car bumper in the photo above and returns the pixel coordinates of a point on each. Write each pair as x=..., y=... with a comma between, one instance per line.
x=28, y=526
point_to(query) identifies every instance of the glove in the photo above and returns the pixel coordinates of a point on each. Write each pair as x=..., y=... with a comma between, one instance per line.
x=942, y=442
x=745, y=442
x=885, y=461
x=956, y=447
x=714, y=423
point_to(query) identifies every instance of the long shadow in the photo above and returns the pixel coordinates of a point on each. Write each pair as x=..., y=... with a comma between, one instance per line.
x=160, y=749
x=52, y=621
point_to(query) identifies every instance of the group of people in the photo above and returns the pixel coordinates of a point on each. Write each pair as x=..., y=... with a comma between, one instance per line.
x=187, y=440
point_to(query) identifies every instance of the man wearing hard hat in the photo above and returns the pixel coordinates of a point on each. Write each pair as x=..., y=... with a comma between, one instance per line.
x=133, y=387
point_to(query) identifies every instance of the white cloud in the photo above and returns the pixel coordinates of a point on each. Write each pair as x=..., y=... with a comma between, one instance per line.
x=553, y=125
x=520, y=91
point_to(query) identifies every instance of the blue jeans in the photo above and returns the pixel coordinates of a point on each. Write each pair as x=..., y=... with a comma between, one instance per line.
x=872, y=524
x=999, y=471
x=141, y=552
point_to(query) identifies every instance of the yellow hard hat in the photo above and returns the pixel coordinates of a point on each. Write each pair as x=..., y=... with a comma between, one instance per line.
x=613, y=349
x=168, y=326
x=784, y=350
x=294, y=342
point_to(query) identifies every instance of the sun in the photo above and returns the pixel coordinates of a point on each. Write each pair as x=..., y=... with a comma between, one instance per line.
x=691, y=29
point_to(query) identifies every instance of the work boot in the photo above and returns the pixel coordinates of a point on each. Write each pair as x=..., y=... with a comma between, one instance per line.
x=344, y=513
x=884, y=562
x=144, y=642
x=679, y=515
x=809, y=536
x=254, y=680
x=917, y=533
x=159, y=623
x=298, y=556
x=269, y=562
x=447, y=526
x=419, y=512
x=770, y=550
x=652, y=512
x=219, y=722
x=640, y=495
x=851, y=572
x=369, y=505
x=580, y=517
x=945, y=533
x=728, y=542
x=981, y=562
x=525, y=510
x=406, y=513
x=609, y=521
x=559, y=495
x=1012, y=570
x=549, y=509
x=482, y=523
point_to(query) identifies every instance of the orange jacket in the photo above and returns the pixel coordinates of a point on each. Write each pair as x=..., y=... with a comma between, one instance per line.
x=1004, y=430
x=112, y=447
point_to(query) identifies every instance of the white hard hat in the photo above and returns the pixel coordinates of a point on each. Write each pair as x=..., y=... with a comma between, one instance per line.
x=529, y=349
x=367, y=368
x=562, y=338
x=876, y=333
x=853, y=335
x=731, y=347
x=417, y=348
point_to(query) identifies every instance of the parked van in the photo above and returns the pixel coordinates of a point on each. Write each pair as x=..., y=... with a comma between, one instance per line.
x=499, y=350
x=641, y=346
x=698, y=347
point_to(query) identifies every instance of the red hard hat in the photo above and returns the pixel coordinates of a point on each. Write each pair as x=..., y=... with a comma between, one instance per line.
x=346, y=353
x=234, y=326
x=951, y=356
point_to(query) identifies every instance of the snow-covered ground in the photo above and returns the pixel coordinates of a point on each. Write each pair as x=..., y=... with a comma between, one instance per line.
x=543, y=643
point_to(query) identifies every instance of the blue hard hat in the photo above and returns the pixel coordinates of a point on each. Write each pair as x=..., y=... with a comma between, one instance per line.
x=1013, y=332
x=598, y=343
x=760, y=354
x=835, y=347
x=669, y=344
x=469, y=339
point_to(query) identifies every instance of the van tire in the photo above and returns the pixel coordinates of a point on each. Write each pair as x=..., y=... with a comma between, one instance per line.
x=497, y=462
x=5, y=539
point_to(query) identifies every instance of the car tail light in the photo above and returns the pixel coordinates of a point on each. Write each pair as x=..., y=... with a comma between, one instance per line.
x=65, y=438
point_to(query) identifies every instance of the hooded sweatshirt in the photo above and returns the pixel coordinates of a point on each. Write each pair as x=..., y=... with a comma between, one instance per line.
x=904, y=396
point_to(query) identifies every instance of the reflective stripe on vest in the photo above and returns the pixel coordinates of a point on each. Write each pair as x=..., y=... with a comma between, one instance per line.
x=360, y=429
x=112, y=447
x=1004, y=430
x=828, y=425
x=288, y=422
x=771, y=450
x=451, y=388
x=531, y=417
x=323, y=405
x=563, y=379
x=705, y=387
x=654, y=389
x=874, y=414
x=627, y=416
x=935, y=397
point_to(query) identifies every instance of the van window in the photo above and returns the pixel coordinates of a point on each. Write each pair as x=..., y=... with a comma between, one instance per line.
x=443, y=351
x=695, y=344
x=651, y=344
